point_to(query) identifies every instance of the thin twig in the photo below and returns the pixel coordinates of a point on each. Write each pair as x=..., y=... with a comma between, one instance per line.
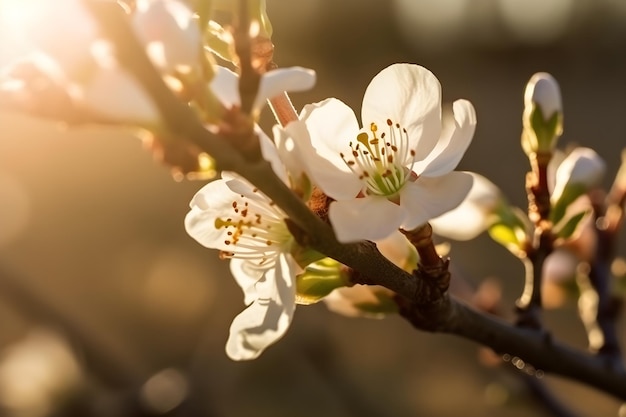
x=603, y=306
x=249, y=78
x=529, y=304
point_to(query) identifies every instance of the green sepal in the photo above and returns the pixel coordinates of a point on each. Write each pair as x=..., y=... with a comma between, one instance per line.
x=510, y=229
x=219, y=41
x=318, y=280
x=305, y=256
x=570, y=227
x=545, y=131
x=258, y=11
x=569, y=195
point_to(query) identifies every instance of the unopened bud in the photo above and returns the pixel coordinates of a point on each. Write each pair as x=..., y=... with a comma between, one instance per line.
x=320, y=279
x=581, y=170
x=543, y=114
x=543, y=90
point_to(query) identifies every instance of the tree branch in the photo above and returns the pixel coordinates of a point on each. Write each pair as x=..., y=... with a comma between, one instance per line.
x=444, y=315
x=534, y=347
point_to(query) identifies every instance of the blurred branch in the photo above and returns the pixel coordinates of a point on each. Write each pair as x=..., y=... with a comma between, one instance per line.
x=608, y=214
x=443, y=314
x=544, y=394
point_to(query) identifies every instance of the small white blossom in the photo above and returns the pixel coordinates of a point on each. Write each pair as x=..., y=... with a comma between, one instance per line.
x=395, y=171
x=233, y=216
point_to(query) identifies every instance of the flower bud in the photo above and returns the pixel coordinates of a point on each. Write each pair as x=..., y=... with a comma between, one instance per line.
x=543, y=114
x=318, y=280
x=580, y=171
x=543, y=91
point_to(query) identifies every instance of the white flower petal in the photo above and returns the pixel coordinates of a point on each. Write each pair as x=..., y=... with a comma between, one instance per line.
x=246, y=277
x=472, y=216
x=456, y=136
x=368, y=218
x=213, y=201
x=276, y=81
x=464, y=224
x=410, y=95
x=268, y=317
x=225, y=86
x=271, y=154
x=428, y=198
x=330, y=127
x=290, y=155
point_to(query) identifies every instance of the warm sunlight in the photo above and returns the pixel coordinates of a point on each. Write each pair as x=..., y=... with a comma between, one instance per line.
x=15, y=18
x=28, y=25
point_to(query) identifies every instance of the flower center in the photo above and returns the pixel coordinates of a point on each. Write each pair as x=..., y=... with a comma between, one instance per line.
x=383, y=162
x=256, y=231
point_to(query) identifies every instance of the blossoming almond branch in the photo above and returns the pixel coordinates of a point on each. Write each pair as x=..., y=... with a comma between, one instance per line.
x=393, y=173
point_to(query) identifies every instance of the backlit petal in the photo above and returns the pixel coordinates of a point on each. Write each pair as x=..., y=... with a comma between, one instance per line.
x=369, y=218
x=330, y=126
x=225, y=86
x=411, y=96
x=213, y=201
x=428, y=198
x=473, y=215
x=267, y=319
x=246, y=277
x=283, y=79
x=456, y=136
x=271, y=154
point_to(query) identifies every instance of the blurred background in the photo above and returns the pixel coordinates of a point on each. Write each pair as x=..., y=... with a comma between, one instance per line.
x=108, y=308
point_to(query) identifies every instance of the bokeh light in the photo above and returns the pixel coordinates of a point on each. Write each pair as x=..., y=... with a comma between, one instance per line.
x=36, y=373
